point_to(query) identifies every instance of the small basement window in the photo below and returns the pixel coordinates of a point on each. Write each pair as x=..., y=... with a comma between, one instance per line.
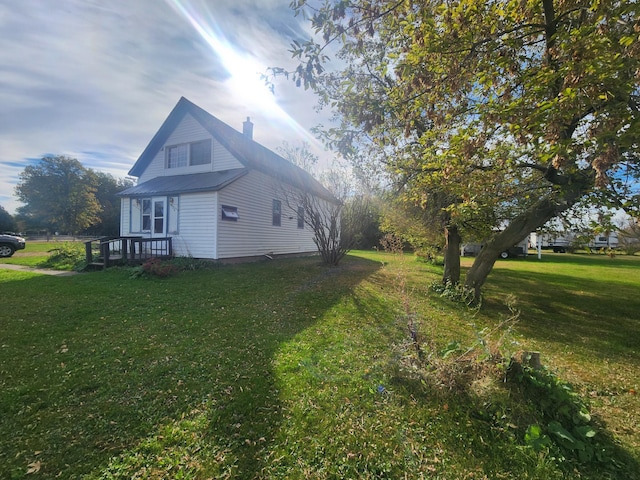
x=230, y=213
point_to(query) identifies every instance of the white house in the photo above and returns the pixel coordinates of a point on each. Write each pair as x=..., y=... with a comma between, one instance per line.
x=217, y=193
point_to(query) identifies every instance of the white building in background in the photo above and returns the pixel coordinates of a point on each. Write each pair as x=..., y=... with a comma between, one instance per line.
x=561, y=242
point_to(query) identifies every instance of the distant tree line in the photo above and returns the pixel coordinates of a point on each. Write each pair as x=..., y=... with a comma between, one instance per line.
x=61, y=196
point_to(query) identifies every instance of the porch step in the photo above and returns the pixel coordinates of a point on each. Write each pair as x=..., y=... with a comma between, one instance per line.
x=95, y=266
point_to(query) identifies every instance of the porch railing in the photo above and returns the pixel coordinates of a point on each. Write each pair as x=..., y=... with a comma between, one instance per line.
x=108, y=251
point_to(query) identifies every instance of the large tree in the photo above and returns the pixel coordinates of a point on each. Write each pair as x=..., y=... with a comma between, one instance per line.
x=7, y=222
x=60, y=193
x=106, y=189
x=520, y=106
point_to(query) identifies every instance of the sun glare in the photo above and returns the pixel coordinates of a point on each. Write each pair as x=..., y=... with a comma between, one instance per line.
x=244, y=69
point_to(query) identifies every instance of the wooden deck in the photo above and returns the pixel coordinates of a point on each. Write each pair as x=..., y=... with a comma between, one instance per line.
x=106, y=252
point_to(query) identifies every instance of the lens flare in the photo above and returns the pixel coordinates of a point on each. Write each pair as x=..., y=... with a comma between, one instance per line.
x=244, y=69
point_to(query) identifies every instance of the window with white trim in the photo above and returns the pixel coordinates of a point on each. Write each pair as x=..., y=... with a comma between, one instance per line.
x=177, y=156
x=188, y=154
x=276, y=213
x=230, y=214
x=200, y=153
x=146, y=214
x=300, y=217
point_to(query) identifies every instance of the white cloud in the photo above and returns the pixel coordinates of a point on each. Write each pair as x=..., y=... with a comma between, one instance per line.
x=95, y=79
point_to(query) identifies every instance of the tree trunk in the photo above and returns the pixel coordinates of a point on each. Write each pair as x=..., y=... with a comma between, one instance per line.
x=518, y=229
x=451, y=255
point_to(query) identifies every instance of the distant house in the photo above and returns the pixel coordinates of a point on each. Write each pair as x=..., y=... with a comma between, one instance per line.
x=217, y=193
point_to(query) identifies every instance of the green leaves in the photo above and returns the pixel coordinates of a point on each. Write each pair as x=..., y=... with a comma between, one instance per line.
x=61, y=195
x=568, y=428
x=536, y=439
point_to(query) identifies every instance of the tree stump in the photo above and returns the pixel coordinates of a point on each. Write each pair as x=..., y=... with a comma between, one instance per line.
x=532, y=359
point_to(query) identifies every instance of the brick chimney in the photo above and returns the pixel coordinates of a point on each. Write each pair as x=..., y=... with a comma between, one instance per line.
x=247, y=129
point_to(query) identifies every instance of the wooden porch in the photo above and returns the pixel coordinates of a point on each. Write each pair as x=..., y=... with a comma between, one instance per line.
x=106, y=252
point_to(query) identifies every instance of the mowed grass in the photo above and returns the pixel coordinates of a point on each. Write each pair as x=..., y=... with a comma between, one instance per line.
x=288, y=369
x=33, y=254
x=583, y=313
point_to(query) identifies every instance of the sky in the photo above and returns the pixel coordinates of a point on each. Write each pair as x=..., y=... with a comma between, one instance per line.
x=95, y=79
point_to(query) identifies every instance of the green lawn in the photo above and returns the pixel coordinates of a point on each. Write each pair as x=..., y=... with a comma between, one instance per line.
x=34, y=253
x=287, y=369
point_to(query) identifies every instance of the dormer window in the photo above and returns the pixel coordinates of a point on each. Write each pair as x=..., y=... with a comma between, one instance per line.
x=177, y=156
x=200, y=152
x=188, y=154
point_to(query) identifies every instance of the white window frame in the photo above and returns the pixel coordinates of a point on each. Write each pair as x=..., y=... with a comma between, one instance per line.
x=190, y=160
x=229, y=214
x=276, y=214
x=184, y=151
x=179, y=161
x=149, y=215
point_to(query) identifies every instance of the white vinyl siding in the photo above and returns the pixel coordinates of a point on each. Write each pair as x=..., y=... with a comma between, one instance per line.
x=125, y=216
x=188, y=132
x=253, y=234
x=197, y=226
x=173, y=215
x=222, y=158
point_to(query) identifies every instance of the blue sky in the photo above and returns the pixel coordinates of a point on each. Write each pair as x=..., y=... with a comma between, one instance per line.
x=94, y=79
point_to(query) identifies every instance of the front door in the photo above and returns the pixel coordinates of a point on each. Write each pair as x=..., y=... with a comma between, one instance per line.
x=159, y=220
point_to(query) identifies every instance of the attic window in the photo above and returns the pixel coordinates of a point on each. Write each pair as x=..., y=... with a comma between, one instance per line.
x=230, y=213
x=189, y=154
x=200, y=153
x=177, y=156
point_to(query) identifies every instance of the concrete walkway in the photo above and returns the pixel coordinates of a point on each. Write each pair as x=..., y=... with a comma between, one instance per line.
x=41, y=271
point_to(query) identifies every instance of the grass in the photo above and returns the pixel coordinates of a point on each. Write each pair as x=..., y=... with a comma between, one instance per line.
x=583, y=312
x=37, y=253
x=289, y=370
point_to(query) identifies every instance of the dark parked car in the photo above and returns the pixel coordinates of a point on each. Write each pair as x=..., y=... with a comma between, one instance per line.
x=9, y=243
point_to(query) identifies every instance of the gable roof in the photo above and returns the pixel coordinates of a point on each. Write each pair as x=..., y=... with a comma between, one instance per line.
x=248, y=152
x=191, y=183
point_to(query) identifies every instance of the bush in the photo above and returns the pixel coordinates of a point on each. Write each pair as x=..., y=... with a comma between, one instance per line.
x=158, y=268
x=68, y=256
x=457, y=293
x=155, y=267
x=566, y=424
x=191, y=264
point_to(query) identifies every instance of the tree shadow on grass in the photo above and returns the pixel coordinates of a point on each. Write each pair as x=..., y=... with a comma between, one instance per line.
x=482, y=420
x=586, y=313
x=112, y=377
x=591, y=319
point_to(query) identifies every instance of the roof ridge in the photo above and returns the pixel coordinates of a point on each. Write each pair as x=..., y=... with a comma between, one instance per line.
x=249, y=152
